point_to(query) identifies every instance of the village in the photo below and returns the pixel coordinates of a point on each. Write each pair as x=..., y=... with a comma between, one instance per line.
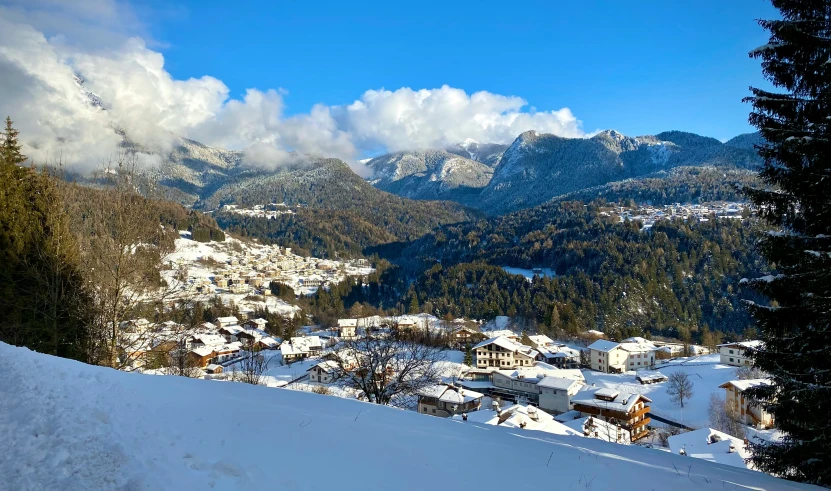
x=271, y=210
x=493, y=375
x=234, y=270
x=648, y=215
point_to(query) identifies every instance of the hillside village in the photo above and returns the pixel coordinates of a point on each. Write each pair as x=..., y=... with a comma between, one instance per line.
x=613, y=391
x=271, y=210
x=648, y=215
x=234, y=269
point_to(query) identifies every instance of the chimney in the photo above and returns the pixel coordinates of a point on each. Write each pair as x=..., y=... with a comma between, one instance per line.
x=532, y=413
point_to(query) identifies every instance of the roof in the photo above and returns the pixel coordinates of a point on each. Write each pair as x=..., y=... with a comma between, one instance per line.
x=227, y=320
x=591, y=427
x=603, y=345
x=712, y=445
x=743, y=385
x=743, y=344
x=638, y=347
x=500, y=341
x=347, y=322
x=502, y=332
x=541, y=339
x=518, y=416
x=557, y=383
x=202, y=351
x=327, y=366
x=621, y=402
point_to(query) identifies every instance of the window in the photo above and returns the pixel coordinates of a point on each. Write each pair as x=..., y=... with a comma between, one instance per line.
x=731, y=359
x=731, y=352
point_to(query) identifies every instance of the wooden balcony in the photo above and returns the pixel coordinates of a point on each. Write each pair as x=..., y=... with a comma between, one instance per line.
x=639, y=412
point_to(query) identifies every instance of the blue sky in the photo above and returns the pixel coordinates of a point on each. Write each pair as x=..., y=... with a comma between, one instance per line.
x=638, y=67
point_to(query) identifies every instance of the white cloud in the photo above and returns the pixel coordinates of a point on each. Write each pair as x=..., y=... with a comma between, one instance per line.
x=44, y=42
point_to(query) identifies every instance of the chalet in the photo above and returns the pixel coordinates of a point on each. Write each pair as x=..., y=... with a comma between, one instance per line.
x=446, y=400
x=503, y=353
x=324, y=372
x=560, y=356
x=629, y=411
x=214, y=368
x=291, y=353
x=256, y=324
x=736, y=353
x=201, y=356
x=465, y=336
x=650, y=377
x=227, y=321
x=743, y=407
x=540, y=341
x=556, y=393
x=230, y=333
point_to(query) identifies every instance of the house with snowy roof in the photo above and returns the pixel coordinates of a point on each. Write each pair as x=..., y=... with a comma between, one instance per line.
x=711, y=445
x=503, y=353
x=227, y=321
x=523, y=382
x=594, y=427
x=464, y=336
x=561, y=356
x=743, y=406
x=347, y=328
x=518, y=416
x=735, y=354
x=556, y=393
x=629, y=411
x=257, y=323
x=607, y=356
x=447, y=400
x=324, y=372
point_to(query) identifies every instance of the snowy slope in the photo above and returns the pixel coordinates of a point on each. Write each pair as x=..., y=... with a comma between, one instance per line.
x=70, y=426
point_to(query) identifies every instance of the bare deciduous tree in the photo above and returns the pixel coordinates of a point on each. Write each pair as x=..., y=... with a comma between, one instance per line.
x=252, y=365
x=679, y=387
x=388, y=368
x=123, y=249
x=724, y=417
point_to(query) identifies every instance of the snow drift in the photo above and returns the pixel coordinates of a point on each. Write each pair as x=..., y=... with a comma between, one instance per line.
x=66, y=425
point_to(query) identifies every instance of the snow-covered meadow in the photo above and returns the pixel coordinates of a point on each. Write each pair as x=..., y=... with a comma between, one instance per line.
x=71, y=426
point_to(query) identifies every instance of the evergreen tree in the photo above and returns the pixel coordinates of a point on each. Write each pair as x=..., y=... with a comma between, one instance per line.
x=10, y=151
x=796, y=326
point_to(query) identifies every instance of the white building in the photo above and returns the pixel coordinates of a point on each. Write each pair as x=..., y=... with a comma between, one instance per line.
x=736, y=353
x=503, y=353
x=743, y=407
x=556, y=393
x=607, y=356
x=324, y=372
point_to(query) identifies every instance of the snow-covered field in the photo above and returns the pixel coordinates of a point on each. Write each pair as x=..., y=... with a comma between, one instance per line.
x=71, y=426
x=706, y=374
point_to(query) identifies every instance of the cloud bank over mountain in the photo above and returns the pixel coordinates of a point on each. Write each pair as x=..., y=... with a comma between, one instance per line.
x=46, y=44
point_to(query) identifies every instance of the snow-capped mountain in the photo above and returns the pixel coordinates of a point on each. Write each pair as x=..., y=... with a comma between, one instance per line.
x=538, y=167
x=486, y=153
x=429, y=174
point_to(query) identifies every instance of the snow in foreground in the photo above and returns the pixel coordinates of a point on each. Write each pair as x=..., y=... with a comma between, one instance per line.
x=66, y=425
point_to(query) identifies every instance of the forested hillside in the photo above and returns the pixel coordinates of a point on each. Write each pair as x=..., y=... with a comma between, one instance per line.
x=336, y=212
